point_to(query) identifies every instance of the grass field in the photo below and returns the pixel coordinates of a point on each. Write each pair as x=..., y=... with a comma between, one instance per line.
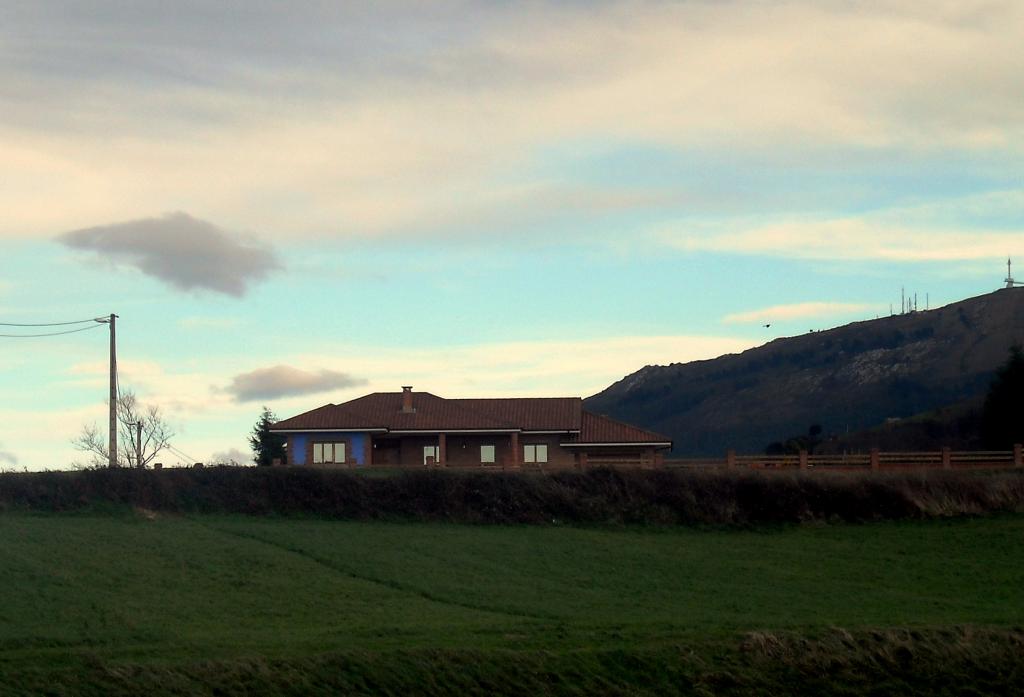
x=112, y=593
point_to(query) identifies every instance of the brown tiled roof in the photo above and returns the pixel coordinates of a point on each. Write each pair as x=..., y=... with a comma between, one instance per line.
x=532, y=413
x=383, y=410
x=327, y=416
x=601, y=429
x=431, y=413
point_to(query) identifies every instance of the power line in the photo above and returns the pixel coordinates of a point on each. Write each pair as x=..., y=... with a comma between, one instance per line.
x=54, y=324
x=33, y=336
x=179, y=453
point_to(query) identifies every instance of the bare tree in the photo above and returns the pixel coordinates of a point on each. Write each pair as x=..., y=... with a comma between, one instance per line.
x=156, y=434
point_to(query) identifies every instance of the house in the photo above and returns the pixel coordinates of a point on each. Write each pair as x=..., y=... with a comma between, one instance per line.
x=395, y=429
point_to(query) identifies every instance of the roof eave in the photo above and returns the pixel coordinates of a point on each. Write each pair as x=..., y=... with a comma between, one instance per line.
x=423, y=431
x=620, y=444
x=328, y=430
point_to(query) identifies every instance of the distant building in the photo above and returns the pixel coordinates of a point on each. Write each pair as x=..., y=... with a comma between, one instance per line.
x=415, y=429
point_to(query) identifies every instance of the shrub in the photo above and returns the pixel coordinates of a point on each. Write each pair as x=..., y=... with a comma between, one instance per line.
x=596, y=496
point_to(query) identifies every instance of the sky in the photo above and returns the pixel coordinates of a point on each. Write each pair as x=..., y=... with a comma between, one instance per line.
x=291, y=204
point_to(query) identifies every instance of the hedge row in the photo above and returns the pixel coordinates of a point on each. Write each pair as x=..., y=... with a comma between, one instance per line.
x=595, y=496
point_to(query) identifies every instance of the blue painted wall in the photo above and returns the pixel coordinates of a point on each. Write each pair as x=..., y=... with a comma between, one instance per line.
x=356, y=447
x=299, y=445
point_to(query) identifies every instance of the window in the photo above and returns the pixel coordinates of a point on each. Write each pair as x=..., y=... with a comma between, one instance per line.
x=328, y=453
x=535, y=453
x=487, y=454
x=431, y=451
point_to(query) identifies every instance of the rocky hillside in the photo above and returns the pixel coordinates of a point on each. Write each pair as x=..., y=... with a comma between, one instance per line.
x=846, y=379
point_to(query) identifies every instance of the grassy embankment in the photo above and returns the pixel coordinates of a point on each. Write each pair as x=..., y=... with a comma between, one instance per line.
x=129, y=603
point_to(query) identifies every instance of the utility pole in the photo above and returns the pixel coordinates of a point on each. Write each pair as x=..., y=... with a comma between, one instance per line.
x=112, y=445
x=138, y=444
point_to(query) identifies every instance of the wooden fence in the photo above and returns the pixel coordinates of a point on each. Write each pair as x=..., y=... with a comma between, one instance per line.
x=852, y=462
x=873, y=460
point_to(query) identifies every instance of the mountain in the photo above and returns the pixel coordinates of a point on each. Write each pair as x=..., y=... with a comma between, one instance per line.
x=848, y=379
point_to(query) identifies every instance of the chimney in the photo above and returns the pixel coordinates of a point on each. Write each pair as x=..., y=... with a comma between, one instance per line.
x=407, y=399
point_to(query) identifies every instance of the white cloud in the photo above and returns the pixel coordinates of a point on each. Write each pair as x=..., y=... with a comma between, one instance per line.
x=204, y=421
x=182, y=393
x=780, y=313
x=519, y=368
x=232, y=456
x=44, y=437
x=326, y=137
x=971, y=228
x=837, y=239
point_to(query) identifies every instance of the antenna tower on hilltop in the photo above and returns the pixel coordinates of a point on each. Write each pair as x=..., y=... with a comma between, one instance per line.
x=1010, y=283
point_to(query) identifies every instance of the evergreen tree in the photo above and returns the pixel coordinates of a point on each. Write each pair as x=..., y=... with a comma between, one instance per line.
x=793, y=446
x=1002, y=423
x=266, y=446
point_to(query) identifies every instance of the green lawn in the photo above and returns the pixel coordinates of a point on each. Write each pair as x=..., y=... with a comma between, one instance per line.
x=123, y=590
x=226, y=586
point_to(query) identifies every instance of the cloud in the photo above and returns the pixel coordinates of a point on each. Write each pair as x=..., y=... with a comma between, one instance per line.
x=853, y=238
x=780, y=313
x=232, y=455
x=286, y=381
x=182, y=251
x=368, y=122
x=8, y=458
x=966, y=228
x=544, y=368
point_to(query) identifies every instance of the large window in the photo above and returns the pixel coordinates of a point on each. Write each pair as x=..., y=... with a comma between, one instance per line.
x=487, y=454
x=535, y=452
x=328, y=453
x=431, y=451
